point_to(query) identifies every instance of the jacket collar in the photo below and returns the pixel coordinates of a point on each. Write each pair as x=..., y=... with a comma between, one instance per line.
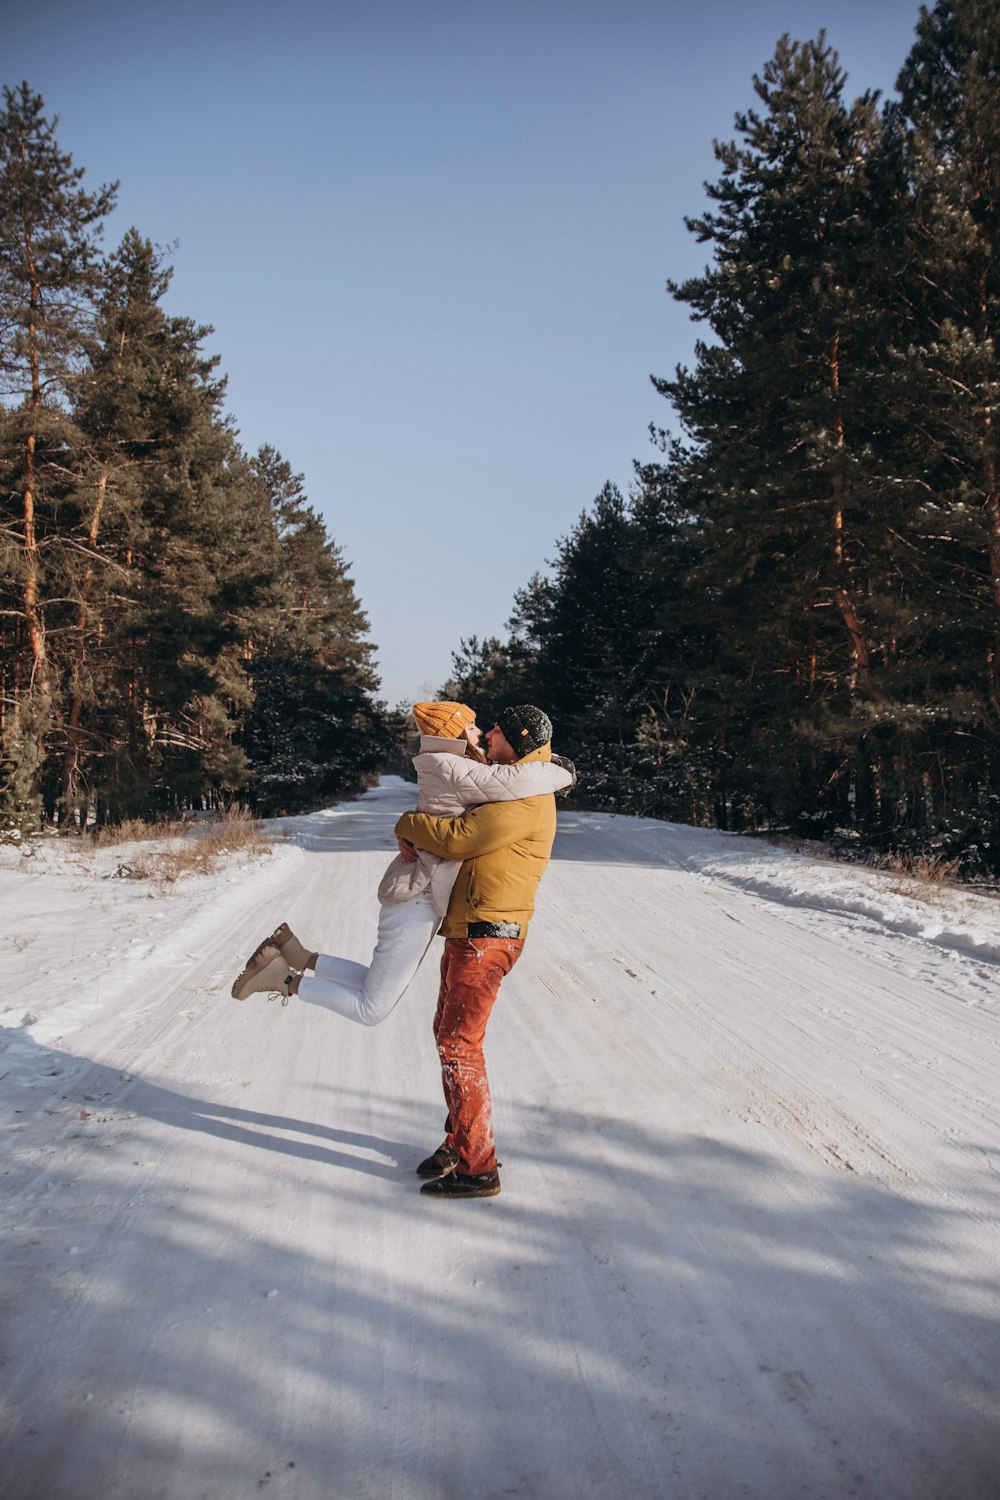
x=436, y=744
x=544, y=752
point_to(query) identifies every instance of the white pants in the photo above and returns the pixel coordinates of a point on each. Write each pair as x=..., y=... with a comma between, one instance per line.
x=405, y=932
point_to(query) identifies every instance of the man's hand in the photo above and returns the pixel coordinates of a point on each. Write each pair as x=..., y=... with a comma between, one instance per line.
x=407, y=850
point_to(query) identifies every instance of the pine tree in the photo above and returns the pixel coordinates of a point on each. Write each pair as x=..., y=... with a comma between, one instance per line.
x=596, y=642
x=315, y=730
x=122, y=397
x=167, y=602
x=592, y=630
x=786, y=420
x=178, y=536
x=49, y=272
x=950, y=380
x=681, y=757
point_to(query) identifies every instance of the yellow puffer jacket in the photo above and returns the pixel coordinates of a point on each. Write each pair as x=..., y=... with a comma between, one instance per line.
x=504, y=848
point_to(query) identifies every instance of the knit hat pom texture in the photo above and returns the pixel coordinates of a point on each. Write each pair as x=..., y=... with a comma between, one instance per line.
x=525, y=728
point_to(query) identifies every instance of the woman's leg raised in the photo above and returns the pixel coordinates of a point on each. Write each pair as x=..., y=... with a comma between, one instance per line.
x=368, y=995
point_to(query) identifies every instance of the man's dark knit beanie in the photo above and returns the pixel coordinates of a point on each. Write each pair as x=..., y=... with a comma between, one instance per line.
x=525, y=728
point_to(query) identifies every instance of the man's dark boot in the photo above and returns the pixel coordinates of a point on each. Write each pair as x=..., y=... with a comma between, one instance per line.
x=444, y=1160
x=460, y=1185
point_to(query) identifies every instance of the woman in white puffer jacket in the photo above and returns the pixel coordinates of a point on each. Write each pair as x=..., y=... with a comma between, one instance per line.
x=451, y=777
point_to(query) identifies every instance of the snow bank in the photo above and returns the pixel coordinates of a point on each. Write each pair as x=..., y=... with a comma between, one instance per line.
x=949, y=916
x=78, y=938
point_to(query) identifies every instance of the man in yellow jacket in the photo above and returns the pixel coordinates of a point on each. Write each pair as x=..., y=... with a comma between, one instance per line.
x=504, y=848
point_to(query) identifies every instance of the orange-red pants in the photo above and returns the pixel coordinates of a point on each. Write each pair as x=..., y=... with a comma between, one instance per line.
x=471, y=972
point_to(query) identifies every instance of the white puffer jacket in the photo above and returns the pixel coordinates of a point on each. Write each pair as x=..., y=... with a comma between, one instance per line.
x=449, y=782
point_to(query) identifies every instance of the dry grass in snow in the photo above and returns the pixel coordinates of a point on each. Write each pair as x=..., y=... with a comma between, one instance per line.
x=176, y=849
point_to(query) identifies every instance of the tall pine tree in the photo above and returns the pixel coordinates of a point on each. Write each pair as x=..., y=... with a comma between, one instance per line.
x=315, y=730
x=49, y=274
x=786, y=420
x=949, y=385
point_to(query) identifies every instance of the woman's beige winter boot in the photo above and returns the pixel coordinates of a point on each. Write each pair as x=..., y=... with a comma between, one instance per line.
x=291, y=949
x=288, y=945
x=267, y=973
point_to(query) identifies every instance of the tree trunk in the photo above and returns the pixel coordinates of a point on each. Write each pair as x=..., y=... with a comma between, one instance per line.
x=71, y=765
x=991, y=502
x=32, y=613
x=843, y=595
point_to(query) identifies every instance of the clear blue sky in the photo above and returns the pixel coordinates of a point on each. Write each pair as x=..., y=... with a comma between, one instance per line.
x=432, y=237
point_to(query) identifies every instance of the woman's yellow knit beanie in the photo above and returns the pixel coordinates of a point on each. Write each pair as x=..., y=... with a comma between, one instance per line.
x=447, y=720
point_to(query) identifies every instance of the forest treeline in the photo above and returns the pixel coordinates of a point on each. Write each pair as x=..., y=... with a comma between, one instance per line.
x=177, y=628
x=793, y=620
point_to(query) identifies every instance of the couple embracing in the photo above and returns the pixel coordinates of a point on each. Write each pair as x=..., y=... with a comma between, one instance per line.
x=470, y=861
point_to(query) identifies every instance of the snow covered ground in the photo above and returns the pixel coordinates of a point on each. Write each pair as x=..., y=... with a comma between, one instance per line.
x=749, y=1112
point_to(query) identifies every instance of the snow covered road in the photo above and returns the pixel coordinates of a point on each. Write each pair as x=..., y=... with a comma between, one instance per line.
x=747, y=1243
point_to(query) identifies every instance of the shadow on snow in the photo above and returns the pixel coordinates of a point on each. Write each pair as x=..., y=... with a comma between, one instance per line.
x=691, y=1321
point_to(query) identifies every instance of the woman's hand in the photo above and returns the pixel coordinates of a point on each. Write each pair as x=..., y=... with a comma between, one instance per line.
x=407, y=851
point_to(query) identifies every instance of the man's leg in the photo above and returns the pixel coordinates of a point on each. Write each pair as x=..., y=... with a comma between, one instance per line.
x=471, y=972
